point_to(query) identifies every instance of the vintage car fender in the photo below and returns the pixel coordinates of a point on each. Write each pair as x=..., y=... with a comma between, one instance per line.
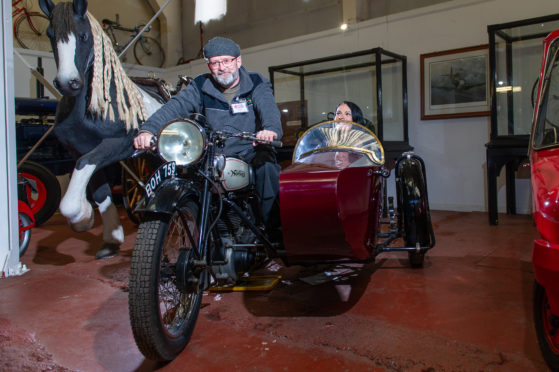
x=329, y=213
x=545, y=199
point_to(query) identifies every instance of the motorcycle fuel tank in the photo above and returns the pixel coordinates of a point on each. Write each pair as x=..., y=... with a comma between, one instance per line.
x=235, y=175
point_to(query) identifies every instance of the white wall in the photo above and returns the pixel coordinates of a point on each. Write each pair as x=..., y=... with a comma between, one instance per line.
x=453, y=149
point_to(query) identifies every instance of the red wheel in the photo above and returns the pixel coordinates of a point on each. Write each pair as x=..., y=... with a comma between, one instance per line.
x=25, y=225
x=43, y=194
x=547, y=328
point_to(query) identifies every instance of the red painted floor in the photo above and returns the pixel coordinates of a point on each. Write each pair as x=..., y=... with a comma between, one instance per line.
x=468, y=309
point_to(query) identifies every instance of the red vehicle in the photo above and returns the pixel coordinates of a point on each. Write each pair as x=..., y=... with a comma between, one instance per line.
x=203, y=227
x=544, y=159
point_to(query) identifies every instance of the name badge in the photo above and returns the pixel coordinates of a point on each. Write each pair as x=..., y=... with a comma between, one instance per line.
x=239, y=107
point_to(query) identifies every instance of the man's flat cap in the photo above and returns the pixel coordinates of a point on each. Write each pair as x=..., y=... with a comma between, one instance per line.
x=221, y=46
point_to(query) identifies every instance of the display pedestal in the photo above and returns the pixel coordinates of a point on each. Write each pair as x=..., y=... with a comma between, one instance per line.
x=507, y=152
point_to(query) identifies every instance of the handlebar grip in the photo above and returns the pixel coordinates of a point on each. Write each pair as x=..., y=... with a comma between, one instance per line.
x=277, y=143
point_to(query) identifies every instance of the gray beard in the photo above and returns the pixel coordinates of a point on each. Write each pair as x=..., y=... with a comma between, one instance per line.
x=226, y=81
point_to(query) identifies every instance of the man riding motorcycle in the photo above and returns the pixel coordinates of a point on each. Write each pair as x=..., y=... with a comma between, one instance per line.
x=235, y=100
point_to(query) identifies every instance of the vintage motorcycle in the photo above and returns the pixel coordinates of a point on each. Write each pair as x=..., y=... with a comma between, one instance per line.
x=544, y=167
x=202, y=225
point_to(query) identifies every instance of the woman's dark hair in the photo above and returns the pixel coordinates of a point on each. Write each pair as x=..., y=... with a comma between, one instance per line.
x=356, y=112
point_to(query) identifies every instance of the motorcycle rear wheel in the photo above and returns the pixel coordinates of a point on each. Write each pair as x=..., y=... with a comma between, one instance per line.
x=162, y=318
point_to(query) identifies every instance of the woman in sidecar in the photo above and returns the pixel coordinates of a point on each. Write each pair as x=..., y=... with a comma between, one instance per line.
x=331, y=198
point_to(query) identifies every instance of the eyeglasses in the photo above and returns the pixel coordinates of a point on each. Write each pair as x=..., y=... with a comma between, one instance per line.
x=225, y=62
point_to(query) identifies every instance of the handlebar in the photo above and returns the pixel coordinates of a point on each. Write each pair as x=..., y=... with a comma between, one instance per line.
x=117, y=26
x=249, y=137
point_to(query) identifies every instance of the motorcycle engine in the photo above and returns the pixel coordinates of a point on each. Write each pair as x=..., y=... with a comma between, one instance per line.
x=239, y=245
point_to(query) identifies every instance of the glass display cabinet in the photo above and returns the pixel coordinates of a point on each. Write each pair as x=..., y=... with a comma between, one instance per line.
x=515, y=51
x=308, y=93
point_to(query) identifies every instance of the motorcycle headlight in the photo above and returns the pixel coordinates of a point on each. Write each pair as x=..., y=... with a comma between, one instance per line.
x=182, y=141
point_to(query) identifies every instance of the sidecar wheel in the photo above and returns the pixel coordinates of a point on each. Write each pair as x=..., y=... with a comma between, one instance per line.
x=162, y=317
x=546, y=328
x=413, y=207
x=416, y=259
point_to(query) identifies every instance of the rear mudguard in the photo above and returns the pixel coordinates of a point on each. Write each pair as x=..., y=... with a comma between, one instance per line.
x=167, y=196
x=413, y=204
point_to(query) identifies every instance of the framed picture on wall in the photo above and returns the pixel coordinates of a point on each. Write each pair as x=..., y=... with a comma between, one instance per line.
x=455, y=83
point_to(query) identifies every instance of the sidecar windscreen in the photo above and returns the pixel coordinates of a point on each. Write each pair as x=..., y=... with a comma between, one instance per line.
x=336, y=137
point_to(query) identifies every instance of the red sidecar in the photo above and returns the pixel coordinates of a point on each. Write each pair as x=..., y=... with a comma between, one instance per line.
x=544, y=161
x=333, y=201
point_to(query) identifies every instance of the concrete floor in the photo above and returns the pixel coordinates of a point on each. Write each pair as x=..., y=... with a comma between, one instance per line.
x=468, y=309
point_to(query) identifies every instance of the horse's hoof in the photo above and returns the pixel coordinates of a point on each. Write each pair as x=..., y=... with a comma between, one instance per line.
x=84, y=224
x=107, y=250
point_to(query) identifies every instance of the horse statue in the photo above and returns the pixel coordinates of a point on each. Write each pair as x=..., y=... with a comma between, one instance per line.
x=97, y=117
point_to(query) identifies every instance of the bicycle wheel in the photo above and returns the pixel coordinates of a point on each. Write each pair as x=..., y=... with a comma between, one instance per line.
x=148, y=52
x=30, y=31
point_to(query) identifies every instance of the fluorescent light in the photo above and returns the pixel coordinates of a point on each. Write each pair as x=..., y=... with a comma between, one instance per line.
x=206, y=10
x=508, y=88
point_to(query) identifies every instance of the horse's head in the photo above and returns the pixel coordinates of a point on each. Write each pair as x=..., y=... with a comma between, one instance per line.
x=72, y=42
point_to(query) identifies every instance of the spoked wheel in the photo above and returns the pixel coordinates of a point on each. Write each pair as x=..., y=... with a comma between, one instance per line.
x=44, y=194
x=132, y=192
x=547, y=328
x=148, y=52
x=25, y=225
x=31, y=32
x=162, y=315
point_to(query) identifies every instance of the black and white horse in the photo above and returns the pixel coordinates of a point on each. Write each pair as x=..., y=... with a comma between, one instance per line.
x=97, y=117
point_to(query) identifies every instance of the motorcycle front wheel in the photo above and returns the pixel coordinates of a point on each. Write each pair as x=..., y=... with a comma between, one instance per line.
x=162, y=317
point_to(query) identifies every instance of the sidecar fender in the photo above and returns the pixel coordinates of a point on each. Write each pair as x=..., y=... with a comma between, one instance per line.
x=167, y=196
x=413, y=203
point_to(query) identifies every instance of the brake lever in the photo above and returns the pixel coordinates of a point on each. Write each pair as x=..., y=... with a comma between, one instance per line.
x=252, y=137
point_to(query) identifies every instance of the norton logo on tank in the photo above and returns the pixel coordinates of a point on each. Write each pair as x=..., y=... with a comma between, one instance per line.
x=235, y=174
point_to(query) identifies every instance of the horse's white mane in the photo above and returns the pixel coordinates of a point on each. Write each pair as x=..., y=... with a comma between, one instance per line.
x=106, y=65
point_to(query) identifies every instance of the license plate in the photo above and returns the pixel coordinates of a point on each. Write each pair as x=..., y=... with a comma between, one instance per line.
x=165, y=171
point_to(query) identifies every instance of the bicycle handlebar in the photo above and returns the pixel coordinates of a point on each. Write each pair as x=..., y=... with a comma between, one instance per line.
x=117, y=26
